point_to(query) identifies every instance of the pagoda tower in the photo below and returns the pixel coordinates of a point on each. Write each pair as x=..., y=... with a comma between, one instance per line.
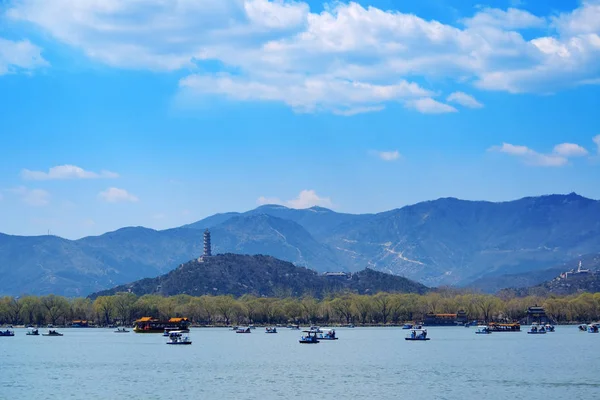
x=207, y=247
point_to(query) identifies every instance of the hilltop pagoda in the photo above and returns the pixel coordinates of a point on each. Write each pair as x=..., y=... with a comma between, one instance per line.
x=207, y=246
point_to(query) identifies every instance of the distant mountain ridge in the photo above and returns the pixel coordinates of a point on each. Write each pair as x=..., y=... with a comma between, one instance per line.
x=440, y=242
x=236, y=274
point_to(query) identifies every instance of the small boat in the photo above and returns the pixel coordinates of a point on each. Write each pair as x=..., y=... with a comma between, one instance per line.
x=178, y=337
x=350, y=326
x=593, y=328
x=243, y=330
x=549, y=327
x=329, y=335
x=7, y=332
x=271, y=330
x=316, y=329
x=235, y=328
x=52, y=332
x=417, y=334
x=33, y=332
x=407, y=326
x=251, y=327
x=121, y=330
x=536, y=329
x=294, y=327
x=309, y=338
x=483, y=330
x=583, y=328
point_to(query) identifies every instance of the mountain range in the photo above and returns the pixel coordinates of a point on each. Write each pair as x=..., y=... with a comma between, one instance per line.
x=441, y=242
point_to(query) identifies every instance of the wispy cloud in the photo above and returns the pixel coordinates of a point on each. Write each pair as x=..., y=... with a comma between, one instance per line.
x=386, y=155
x=116, y=195
x=32, y=197
x=559, y=157
x=570, y=150
x=19, y=56
x=66, y=172
x=305, y=199
x=427, y=105
x=464, y=100
x=596, y=139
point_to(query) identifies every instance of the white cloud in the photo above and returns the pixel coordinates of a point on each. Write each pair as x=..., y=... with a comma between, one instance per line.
x=346, y=59
x=510, y=19
x=32, y=197
x=66, y=172
x=596, y=139
x=558, y=158
x=116, y=195
x=583, y=20
x=570, y=150
x=464, y=100
x=427, y=105
x=21, y=55
x=386, y=155
x=305, y=199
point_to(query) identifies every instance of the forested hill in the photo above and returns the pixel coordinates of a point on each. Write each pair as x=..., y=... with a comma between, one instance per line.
x=261, y=275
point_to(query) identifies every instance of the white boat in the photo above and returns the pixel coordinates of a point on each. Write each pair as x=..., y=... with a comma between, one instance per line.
x=329, y=335
x=549, y=327
x=121, y=330
x=417, y=334
x=536, y=329
x=483, y=330
x=593, y=328
x=316, y=329
x=32, y=332
x=407, y=326
x=179, y=338
x=243, y=330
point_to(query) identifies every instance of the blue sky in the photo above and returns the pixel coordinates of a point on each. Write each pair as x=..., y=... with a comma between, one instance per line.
x=156, y=113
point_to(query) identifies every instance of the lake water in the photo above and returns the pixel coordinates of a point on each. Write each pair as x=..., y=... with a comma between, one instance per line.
x=373, y=363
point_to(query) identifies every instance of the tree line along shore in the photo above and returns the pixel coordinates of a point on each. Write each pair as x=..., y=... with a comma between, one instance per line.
x=341, y=308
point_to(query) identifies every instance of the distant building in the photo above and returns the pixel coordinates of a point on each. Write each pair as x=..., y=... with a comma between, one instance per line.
x=537, y=314
x=460, y=318
x=337, y=274
x=579, y=271
x=207, y=246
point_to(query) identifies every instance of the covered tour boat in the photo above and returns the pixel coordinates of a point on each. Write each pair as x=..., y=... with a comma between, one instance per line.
x=496, y=327
x=310, y=337
x=417, y=334
x=154, y=325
